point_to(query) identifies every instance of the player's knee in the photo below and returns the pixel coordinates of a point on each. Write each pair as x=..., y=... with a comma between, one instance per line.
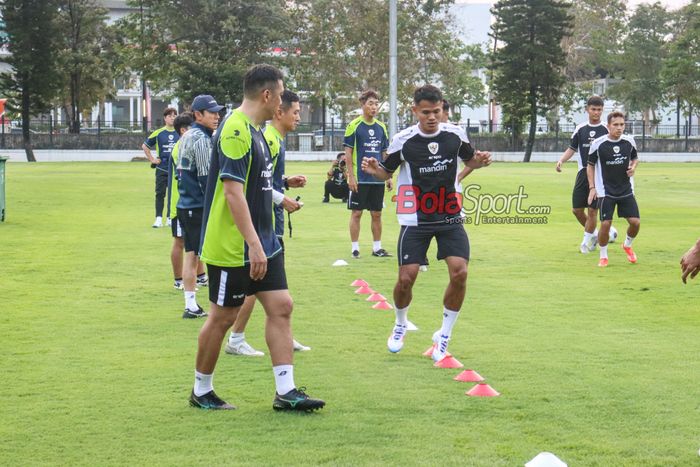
x=406, y=281
x=459, y=275
x=634, y=222
x=376, y=215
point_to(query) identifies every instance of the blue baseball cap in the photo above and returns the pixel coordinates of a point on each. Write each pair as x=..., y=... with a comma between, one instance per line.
x=205, y=102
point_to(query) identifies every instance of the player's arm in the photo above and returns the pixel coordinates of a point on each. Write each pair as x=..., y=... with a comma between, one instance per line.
x=371, y=166
x=568, y=154
x=352, y=182
x=590, y=174
x=690, y=262
x=634, y=160
x=389, y=181
x=237, y=204
x=149, y=154
x=466, y=170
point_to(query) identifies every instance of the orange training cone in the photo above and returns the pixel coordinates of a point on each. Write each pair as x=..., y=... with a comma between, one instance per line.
x=449, y=362
x=469, y=376
x=365, y=290
x=482, y=390
x=429, y=351
x=383, y=305
x=359, y=283
x=376, y=297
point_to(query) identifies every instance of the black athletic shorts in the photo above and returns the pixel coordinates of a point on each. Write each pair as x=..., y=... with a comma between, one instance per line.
x=176, y=227
x=369, y=196
x=414, y=241
x=579, y=197
x=626, y=207
x=191, y=222
x=229, y=286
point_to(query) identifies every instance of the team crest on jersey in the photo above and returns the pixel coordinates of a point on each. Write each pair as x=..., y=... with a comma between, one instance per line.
x=616, y=149
x=170, y=137
x=591, y=133
x=371, y=132
x=433, y=148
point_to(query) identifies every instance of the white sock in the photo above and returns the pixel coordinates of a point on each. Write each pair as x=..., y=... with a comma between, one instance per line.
x=604, y=252
x=202, y=383
x=448, y=320
x=402, y=315
x=355, y=246
x=377, y=245
x=236, y=337
x=159, y=220
x=586, y=237
x=284, y=378
x=628, y=241
x=595, y=233
x=191, y=301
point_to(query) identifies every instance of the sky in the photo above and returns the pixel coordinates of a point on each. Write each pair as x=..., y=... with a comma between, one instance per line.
x=670, y=4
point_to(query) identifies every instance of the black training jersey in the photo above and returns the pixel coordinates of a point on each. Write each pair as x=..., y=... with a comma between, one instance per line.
x=428, y=191
x=581, y=140
x=611, y=159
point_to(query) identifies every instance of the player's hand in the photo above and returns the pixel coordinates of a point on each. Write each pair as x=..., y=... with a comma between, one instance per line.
x=483, y=158
x=690, y=263
x=297, y=181
x=156, y=160
x=352, y=184
x=592, y=195
x=389, y=185
x=290, y=205
x=370, y=165
x=258, y=262
x=630, y=172
x=558, y=166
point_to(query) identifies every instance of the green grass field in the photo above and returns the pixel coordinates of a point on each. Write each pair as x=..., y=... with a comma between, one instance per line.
x=597, y=366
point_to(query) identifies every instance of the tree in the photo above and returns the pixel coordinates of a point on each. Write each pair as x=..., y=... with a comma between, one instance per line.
x=200, y=46
x=33, y=83
x=341, y=48
x=681, y=72
x=593, y=47
x=641, y=61
x=529, y=64
x=87, y=73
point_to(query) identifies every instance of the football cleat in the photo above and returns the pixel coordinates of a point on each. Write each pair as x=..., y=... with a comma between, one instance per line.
x=584, y=248
x=177, y=284
x=242, y=348
x=381, y=253
x=440, y=351
x=209, y=401
x=296, y=399
x=603, y=263
x=631, y=257
x=395, y=341
x=198, y=313
x=356, y=254
x=299, y=347
x=202, y=281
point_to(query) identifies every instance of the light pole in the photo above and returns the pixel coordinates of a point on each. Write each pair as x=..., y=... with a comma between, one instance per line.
x=393, y=73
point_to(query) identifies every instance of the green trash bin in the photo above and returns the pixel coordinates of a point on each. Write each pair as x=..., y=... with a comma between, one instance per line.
x=2, y=188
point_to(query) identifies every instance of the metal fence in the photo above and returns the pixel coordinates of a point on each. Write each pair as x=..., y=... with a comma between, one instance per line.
x=125, y=135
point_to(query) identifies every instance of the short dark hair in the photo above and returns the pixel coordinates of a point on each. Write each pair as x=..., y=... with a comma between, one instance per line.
x=183, y=120
x=427, y=92
x=445, y=105
x=288, y=98
x=615, y=114
x=596, y=101
x=169, y=111
x=260, y=77
x=339, y=156
x=368, y=94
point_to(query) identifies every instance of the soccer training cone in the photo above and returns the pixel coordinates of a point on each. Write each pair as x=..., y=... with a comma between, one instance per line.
x=429, y=352
x=468, y=376
x=449, y=362
x=359, y=283
x=383, y=305
x=364, y=290
x=482, y=390
x=376, y=297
